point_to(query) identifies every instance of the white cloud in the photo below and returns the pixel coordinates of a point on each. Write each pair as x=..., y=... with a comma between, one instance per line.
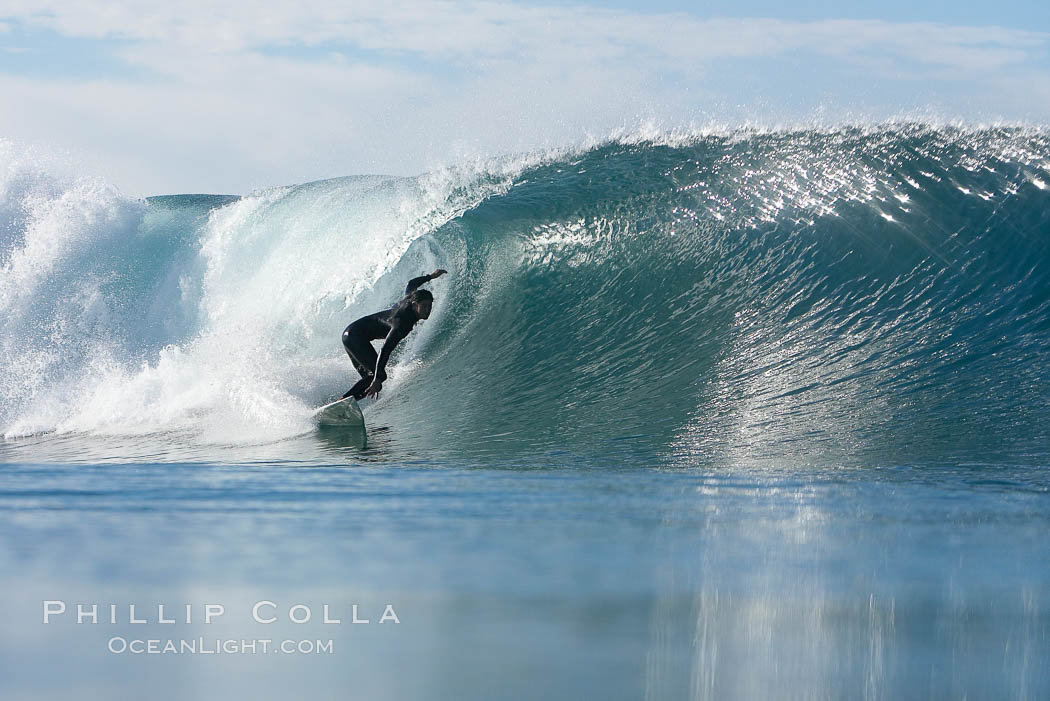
x=475, y=31
x=248, y=95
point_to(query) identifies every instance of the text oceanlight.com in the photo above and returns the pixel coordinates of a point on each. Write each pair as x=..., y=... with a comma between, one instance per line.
x=203, y=646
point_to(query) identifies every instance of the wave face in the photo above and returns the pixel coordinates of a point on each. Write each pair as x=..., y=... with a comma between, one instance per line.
x=880, y=294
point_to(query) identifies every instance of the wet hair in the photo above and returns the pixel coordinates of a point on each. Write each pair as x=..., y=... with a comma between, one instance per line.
x=409, y=300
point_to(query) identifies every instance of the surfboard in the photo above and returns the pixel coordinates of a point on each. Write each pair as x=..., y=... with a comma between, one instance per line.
x=343, y=412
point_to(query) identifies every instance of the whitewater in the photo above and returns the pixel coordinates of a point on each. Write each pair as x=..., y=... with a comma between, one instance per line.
x=732, y=400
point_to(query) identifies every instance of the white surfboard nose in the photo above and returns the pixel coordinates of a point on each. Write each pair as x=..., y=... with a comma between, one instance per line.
x=344, y=412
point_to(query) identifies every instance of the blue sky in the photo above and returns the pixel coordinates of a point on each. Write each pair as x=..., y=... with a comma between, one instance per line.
x=194, y=96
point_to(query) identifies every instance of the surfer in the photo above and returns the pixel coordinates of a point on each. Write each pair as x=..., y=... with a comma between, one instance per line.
x=393, y=325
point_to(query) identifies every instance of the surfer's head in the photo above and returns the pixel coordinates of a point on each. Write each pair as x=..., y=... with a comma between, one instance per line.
x=422, y=303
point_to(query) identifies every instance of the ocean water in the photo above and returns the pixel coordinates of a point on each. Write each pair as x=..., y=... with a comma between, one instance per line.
x=727, y=415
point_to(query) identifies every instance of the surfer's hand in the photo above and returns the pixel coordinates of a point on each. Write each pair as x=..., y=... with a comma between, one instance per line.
x=437, y=273
x=374, y=389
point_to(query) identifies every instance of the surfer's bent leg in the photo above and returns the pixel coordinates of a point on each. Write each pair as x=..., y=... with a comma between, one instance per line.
x=364, y=358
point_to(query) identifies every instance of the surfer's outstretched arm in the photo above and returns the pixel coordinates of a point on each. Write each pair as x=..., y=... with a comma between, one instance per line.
x=415, y=282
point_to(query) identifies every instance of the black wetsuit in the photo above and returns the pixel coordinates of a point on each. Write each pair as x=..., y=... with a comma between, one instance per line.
x=393, y=325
